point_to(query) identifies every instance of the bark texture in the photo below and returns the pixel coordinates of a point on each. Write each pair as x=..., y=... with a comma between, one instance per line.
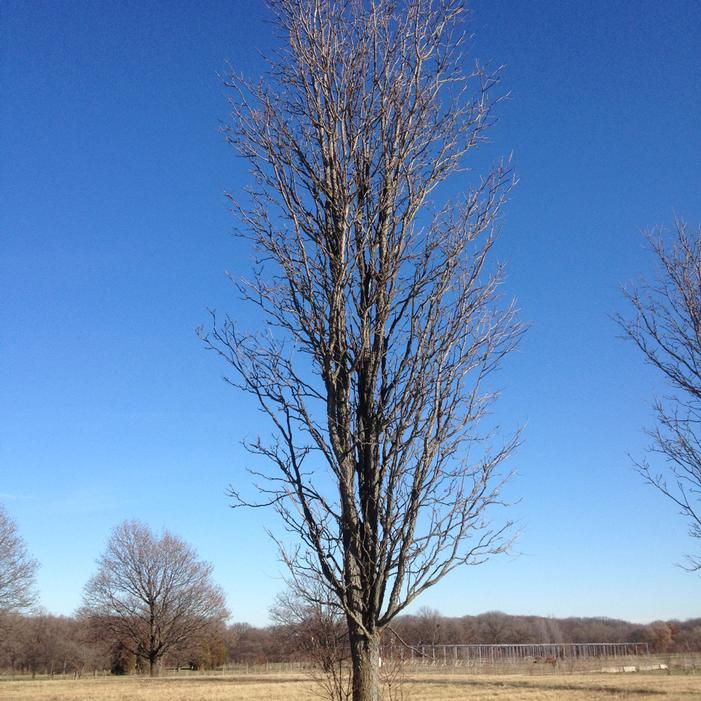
x=365, y=657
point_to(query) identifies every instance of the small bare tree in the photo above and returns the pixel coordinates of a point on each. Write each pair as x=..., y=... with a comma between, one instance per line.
x=315, y=627
x=17, y=569
x=379, y=304
x=666, y=327
x=151, y=593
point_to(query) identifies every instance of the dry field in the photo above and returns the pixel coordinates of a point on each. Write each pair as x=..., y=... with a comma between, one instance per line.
x=295, y=687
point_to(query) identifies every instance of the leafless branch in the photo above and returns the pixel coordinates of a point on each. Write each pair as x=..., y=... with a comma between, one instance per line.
x=666, y=327
x=382, y=314
x=17, y=569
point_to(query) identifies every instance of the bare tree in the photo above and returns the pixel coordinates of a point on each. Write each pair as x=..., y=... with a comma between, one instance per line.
x=152, y=593
x=319, y=633
x=666, y=327
x=430, y=624
x=380, y=306
x=17, y=569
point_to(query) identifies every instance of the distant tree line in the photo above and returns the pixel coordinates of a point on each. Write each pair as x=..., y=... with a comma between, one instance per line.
x=44, y=644
x=152, y=604
x=495, y=627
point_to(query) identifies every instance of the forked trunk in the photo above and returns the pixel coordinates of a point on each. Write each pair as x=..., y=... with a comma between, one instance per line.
x=365, y=654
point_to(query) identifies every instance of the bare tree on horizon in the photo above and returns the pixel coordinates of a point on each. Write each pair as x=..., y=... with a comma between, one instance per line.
x=17, y=568
x=151, y=593
x=666, y=327
x=380, y=307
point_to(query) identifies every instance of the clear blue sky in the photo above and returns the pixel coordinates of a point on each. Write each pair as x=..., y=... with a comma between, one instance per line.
x=116, y=236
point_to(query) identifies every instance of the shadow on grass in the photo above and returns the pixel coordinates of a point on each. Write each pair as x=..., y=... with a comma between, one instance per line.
x=520, y=685
x=243, y=679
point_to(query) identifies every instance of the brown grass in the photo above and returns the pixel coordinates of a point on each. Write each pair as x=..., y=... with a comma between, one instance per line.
x=296, y=687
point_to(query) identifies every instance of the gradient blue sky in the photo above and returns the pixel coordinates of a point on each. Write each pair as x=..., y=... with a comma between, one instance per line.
x=116, y=236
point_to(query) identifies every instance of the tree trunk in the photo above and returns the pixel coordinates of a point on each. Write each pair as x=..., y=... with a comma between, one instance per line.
x=153, y=666
x=365, y=654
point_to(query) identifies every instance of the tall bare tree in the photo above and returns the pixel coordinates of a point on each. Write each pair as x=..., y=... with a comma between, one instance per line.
x=17, y=568
x=666, y=327
x=382, y=325
x=152, y=593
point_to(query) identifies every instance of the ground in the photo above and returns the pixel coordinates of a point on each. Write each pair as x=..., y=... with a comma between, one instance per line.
x=657, y=686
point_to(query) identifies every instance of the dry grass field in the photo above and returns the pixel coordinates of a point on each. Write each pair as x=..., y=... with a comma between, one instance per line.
x=296, y=687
